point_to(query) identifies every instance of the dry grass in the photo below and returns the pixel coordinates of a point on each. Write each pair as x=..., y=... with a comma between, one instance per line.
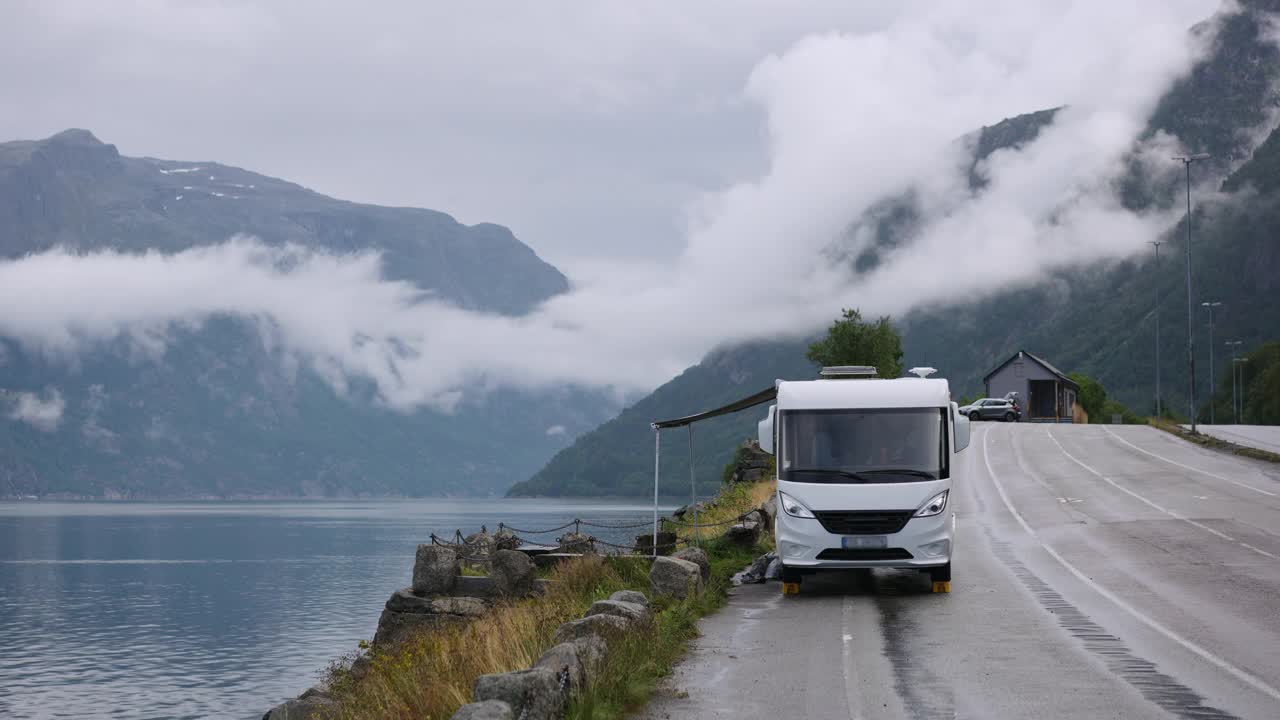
x=432, y=674
x=733, y=500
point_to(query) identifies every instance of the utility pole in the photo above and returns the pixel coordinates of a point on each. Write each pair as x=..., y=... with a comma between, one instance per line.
x=1157, y=244
x=1243, y=387
x=1210, y=306
x=1235, y=410
x=1186, y=161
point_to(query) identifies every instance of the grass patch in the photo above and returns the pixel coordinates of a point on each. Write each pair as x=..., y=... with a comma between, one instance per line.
x=432, y=674
x=1213, y=443
x=733, y=500
x=639, y=661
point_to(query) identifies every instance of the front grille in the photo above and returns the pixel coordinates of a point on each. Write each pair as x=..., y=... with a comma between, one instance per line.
x=864, y=554
x=863, y=522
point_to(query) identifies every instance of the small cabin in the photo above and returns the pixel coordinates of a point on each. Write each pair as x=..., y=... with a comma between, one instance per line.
x=1044, y=392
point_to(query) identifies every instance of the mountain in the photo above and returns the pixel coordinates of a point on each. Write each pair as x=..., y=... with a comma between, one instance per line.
x=78, y=192
x=1098, y=319
x=220, y=413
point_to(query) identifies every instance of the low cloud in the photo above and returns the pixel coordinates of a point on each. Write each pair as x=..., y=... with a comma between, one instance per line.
x=43, y=412
x=555, y=431
x=853, y=119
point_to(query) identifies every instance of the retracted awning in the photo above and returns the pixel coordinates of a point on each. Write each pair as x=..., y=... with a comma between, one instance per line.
x=763, y=396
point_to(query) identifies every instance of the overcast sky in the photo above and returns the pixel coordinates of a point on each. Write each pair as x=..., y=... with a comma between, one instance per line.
x=690, y=164
x=587, y=127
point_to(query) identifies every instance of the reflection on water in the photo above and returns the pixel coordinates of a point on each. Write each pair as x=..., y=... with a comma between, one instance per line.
x=135, y=610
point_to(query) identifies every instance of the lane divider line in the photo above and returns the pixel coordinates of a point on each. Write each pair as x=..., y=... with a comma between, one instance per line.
x=1241, y=675
x=1188, y=467
x=1171, y=513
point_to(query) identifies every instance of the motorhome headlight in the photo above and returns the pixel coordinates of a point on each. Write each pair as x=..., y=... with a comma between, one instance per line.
x=792, y=507
x=936, y=504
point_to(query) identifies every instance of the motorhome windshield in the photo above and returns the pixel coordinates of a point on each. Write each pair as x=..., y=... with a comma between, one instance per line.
x=863, y=446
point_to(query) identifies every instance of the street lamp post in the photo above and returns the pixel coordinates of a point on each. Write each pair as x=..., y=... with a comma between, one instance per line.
x=1186, y=161
x=1235, y=411
x=1210, y=306
x=1157, y=244
x=1243, y=387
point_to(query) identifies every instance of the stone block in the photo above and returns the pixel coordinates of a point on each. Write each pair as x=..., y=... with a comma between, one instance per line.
x=576, y=543
x=698, y=557
x=512, y=573
x=435, y=569
x=666, y=543
x=619, y=608
x=631, y=596
x=535, y=694
x=607, y=627
x=564, y=661
x=674, y=577
x=745, y=535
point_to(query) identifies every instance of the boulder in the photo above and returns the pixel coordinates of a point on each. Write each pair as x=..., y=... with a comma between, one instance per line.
x=745, y=535
x=631, y=596
x=407, y=612
x=504, y=539
x=666, y=543
x=674, y=577
x=484, y=710
x=435, y=569
x=770, y=509
x=564, y=660
x=576, y=543
x=606, y=627
x=627, y=611
x=592, y=650
x=775, y=569
x=698, y=557
x=512, y=573
x=477, y=547
x=535, y=694
x=312, y=707
x=752, y=475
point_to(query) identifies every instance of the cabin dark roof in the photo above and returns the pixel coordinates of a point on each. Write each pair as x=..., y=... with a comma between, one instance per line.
x=1038, y=360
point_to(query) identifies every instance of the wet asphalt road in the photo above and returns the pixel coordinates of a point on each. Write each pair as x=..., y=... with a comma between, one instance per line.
x=1100, y=572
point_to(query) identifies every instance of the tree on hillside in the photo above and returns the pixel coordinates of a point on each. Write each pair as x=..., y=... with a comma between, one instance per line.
x=851, y=341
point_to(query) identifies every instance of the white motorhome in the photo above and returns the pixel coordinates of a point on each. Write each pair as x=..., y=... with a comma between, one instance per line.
x=865, y=472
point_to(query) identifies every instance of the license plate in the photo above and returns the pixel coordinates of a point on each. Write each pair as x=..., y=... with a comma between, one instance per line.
x=864, y=542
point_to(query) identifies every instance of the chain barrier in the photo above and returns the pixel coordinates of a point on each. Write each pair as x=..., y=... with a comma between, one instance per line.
x=730, y=521
x=504, y=526
x=632, y=526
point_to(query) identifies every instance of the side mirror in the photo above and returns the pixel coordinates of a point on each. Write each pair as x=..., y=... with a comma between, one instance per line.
x=961, y=424
x=765, y=430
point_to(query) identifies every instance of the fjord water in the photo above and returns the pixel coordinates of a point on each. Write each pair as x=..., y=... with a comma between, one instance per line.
x=214, y=609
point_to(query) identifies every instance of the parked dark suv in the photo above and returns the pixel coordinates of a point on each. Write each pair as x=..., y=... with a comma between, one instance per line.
x=993, y=409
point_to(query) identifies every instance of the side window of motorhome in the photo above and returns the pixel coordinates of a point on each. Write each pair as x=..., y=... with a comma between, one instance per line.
x=864, y=445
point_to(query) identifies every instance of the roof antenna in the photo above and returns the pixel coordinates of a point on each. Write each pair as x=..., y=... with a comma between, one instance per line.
x=922, y=372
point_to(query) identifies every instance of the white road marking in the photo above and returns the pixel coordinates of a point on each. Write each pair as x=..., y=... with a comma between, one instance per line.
x=1245, y=677
x=1188, y=467
x=1171, y=513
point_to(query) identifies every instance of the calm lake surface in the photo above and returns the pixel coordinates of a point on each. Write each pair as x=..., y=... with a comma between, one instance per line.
x=218, y=609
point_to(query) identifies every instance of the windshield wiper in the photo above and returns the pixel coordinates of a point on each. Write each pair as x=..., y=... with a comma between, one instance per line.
x=831, y=471
x=903, y=471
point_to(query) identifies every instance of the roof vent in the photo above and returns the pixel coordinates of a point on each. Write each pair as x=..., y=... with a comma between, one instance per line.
x=922, y=372
x=848, y=372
